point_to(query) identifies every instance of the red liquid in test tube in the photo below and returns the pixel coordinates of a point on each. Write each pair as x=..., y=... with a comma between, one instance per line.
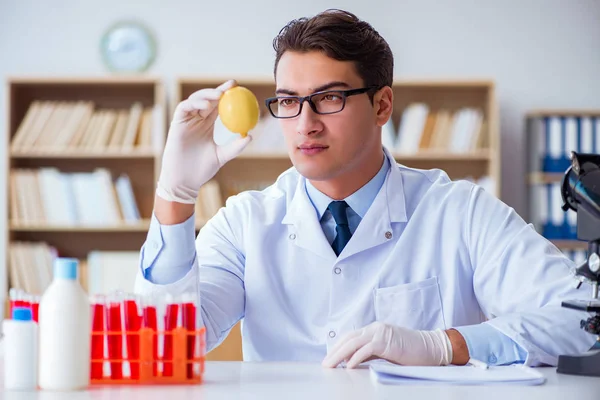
x=98, y=309
x=189, y=323
x=35, y=306
x=170, y=325
x=132, y=327
x=115, y=338
x=150, y=321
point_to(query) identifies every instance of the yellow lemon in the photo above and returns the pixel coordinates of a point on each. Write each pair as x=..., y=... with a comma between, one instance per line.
x=238, y=109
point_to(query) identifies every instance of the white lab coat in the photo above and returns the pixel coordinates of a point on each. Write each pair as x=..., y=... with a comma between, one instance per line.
x=429, y=253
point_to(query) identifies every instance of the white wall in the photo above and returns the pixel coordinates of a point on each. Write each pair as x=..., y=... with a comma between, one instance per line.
x=542, y=53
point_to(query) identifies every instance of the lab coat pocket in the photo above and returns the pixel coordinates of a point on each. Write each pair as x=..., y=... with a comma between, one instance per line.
x=414, y=305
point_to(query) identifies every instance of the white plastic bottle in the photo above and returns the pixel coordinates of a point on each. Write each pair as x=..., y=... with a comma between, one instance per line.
x=64, y=324
x=20, y=350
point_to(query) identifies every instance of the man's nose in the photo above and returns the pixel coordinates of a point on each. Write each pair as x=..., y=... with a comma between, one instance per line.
x=308, y=121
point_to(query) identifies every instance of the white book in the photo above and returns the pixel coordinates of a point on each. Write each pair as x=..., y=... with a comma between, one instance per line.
x=129, y=207
x=572, y=220
x=557, y=215
x=88, y=200
x=475, y=133
x=388, y=135
x=570, y=136
x=55, y=197
x=555, y=149
x=459, y=129
x=411, y=128
x=587, y=135
x=538, y=206
x=105, y=191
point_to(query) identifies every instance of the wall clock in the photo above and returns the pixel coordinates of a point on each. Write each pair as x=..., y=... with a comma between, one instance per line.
x=128, y=46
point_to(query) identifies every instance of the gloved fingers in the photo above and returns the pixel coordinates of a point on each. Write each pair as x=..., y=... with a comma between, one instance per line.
x=347, y=349
x=190, y=109
x=342, y=341
x=193, y=108
x=227, y=85
x=206, y=94
x=227, y=152
x=363, y=354
x=213, y=94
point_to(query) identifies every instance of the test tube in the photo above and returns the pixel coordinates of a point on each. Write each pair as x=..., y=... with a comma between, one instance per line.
x=132, y=327
x=98, y=309
x=189, y=323
x=150, y=320
x=115, y=337
x=171, y=316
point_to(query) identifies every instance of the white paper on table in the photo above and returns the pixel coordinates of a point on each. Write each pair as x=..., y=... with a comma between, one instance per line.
x=455, y=375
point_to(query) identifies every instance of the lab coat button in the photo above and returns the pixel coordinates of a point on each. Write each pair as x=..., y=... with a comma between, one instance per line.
x=337, y=270
x=292, y=236
x=388, y=235
x=331, y=334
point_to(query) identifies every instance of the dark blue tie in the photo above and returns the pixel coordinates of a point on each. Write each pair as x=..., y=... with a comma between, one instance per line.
x=338, y=210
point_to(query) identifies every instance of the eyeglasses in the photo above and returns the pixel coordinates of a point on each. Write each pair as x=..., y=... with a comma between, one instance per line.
x=326, y=102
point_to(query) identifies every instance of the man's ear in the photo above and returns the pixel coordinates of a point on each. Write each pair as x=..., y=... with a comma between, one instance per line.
x=383, y=105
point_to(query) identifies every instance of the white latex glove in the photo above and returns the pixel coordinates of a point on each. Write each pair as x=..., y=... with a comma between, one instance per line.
x=191, y=156
x=392, y=343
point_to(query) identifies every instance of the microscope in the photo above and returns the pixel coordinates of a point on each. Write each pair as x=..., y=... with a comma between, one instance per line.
x=581, y=193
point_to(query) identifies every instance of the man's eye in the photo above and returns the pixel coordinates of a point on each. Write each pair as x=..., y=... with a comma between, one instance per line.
x=287, y=102
x=331, y=97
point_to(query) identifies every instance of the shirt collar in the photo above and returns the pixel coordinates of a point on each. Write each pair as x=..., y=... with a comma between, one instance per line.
x=359, y=201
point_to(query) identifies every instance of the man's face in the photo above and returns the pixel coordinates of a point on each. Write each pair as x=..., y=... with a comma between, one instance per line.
x=325, y=147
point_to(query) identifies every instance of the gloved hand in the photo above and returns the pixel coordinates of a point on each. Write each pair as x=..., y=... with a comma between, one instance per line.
x=191, y=156
x=392, y=343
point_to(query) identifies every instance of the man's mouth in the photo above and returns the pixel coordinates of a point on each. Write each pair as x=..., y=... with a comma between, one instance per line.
x=312, y=148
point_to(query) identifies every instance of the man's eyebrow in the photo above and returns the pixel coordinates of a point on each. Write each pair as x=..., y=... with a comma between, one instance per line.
x=317, y=89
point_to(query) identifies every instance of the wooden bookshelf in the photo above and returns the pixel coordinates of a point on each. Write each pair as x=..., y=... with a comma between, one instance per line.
x=256, y=169
x=139, y=162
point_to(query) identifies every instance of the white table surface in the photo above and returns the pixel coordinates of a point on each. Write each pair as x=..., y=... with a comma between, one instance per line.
x=288, y=381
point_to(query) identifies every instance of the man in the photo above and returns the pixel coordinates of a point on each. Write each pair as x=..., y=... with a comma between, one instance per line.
x=349, y=256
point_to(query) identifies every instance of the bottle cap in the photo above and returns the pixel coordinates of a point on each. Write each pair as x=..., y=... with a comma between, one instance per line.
x=65, y=268
x=21, y=314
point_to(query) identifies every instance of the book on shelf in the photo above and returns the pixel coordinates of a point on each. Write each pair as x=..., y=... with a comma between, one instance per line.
x=49, y=197
x=547, y=215
x=61, y=126
x=422, y=129
x=30, y=266
x=553, y=137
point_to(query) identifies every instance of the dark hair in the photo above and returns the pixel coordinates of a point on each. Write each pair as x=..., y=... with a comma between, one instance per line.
x=342, y=36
